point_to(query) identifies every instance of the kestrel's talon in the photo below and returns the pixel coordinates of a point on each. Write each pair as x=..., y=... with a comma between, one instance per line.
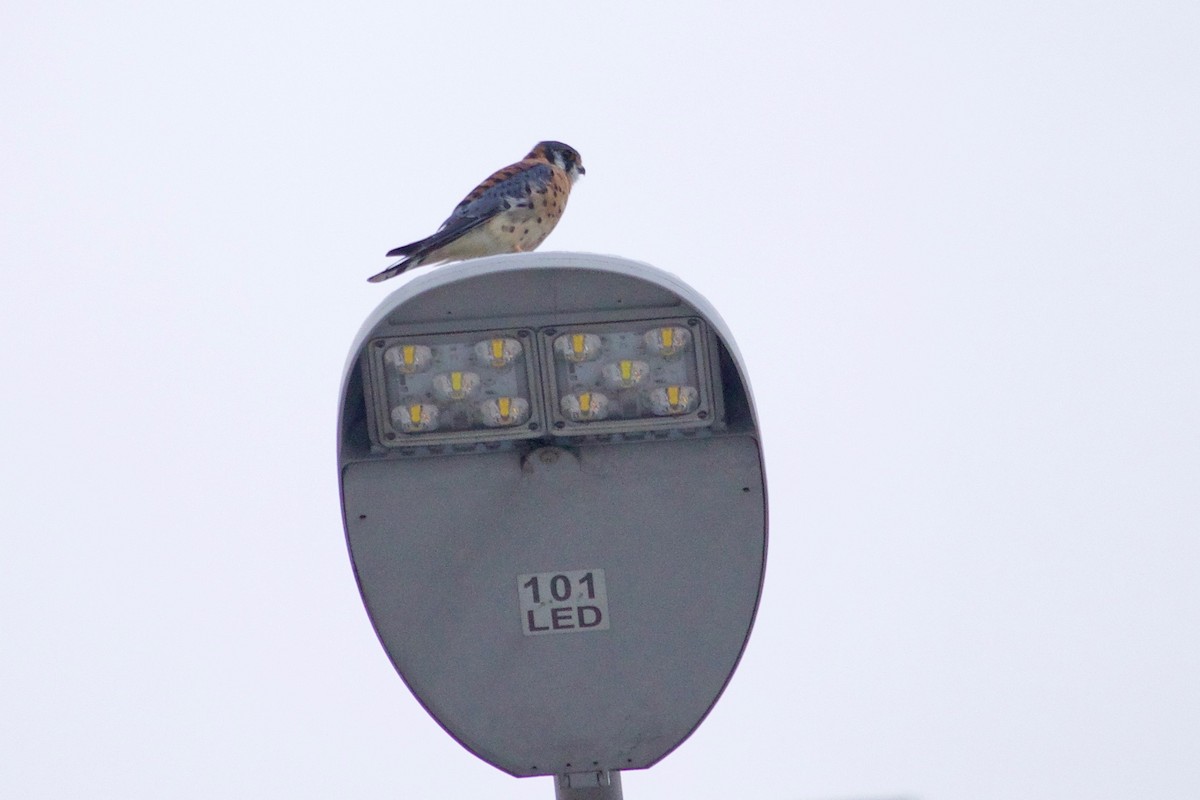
x=513, y=211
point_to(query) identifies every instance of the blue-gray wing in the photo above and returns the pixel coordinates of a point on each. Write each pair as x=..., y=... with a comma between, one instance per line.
x=508, y=188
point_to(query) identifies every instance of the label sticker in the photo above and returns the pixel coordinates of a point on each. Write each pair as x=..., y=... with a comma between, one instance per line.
x=568, y=601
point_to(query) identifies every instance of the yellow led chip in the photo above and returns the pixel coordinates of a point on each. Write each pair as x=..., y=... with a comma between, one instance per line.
x=455, y=385
x=584, y=406
x=500, y=412
x=408, y=358
x=625, y=374
x=497, y=353
x=416, y=417
x=667, y=341
x=578, y=347
x=672, y=400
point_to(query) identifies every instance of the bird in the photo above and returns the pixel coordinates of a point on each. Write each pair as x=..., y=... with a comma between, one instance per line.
x=512, y=211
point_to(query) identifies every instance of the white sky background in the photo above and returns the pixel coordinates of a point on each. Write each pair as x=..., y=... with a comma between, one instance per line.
x=959, y=249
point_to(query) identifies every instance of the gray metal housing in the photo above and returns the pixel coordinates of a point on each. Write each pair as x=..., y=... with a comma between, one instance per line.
x=676, y=527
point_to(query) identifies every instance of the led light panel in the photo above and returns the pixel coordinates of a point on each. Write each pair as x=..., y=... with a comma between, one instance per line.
x=463, y=387
x=628, y=376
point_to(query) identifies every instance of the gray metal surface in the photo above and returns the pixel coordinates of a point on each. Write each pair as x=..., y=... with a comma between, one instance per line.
x=678, y=527
x=591, y=786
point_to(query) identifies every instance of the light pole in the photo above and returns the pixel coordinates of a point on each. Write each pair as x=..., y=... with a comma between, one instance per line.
x=554, y=501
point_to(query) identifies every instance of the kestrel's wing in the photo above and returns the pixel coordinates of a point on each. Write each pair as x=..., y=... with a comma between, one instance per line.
x=506, y=189
x=511, y=187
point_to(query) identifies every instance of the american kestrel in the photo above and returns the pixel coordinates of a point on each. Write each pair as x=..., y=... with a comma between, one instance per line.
x=512, y=211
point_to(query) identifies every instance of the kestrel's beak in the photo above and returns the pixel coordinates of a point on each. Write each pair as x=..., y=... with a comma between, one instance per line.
x=579, y=168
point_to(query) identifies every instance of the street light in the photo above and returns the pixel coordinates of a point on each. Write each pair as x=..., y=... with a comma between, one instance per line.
x=555, y=505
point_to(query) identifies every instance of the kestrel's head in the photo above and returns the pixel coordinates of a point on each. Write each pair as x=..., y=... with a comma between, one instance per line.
x=560, y=155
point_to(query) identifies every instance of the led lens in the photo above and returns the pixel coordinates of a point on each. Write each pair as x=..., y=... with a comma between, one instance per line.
x=666, y=401
x=578, y=347
x=473, y=386
x=500, y=412
x=497, y=353
x=585, y=406
x=455, y=385
x=667, y=341
x=416, y=417
x=409, y=358
x=625, y=374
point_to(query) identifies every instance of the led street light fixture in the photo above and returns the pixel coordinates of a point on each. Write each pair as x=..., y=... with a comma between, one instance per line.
x=459, y=387
x=504, y=431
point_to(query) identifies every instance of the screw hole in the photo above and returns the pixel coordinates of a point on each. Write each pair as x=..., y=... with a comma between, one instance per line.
x=362, y=516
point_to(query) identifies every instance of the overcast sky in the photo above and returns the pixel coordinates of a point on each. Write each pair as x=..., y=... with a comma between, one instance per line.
x=959, y=248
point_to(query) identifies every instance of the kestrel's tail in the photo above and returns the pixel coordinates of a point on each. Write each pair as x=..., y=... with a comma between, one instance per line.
x=396, y=269
x=414, y=255
x=417, y=253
